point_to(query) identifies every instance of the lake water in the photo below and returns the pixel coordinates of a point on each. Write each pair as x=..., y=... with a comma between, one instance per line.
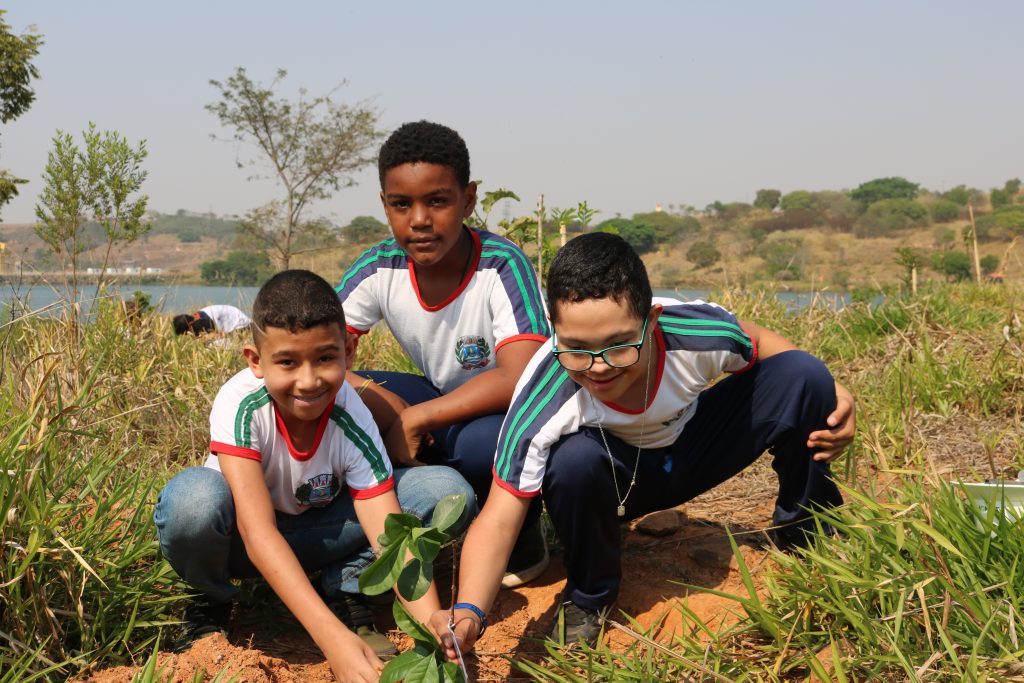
x=187, y=298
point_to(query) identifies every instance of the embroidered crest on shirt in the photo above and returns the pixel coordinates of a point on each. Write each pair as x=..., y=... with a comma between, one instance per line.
x=472, y=352
x=319, y=490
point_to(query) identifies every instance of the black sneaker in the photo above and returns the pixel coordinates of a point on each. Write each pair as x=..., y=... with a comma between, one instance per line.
x=202, y=618
x=574, y=624
x=355, y=612
x=529, y=557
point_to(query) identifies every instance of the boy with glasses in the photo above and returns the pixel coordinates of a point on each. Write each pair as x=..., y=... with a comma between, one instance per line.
x=616, y=419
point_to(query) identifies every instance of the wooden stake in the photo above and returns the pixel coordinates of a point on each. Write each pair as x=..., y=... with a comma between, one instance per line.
x=540, y=241
x=974, y=241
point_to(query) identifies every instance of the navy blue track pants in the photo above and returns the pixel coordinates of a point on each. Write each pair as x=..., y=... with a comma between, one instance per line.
x=773, y=406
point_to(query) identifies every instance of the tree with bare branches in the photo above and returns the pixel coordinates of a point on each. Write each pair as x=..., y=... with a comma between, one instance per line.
x=310, y=147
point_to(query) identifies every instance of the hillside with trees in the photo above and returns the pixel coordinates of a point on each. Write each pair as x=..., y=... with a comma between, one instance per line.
x=872, y=237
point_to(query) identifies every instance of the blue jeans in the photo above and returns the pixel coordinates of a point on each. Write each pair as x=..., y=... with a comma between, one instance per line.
x=466, y=446
x=195, y=523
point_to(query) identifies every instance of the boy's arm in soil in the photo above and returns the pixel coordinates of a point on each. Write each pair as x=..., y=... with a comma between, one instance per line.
x=488, y=393
x=372, y=512
x=484, y=557
x=842, y=422
x=349, y=658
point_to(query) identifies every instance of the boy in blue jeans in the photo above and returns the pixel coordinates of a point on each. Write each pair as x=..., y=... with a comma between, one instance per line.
x=465, y=306
x=616, y=419
x=297, y=480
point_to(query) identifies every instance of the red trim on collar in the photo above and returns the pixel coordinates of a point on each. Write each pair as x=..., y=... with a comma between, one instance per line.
x=657, y=379
x=474, y=261
x=320, y=428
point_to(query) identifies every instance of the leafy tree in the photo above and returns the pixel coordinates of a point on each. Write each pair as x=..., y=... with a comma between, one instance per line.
x=797, y=200
x=639, y=236
x=312, y=147
x=363, y=229
x=16, y=93
x=944, y=210
x=703, y=254
x=116, y=205
x=240, y=268
x=955, y=265
x=100, y=182
x=767, y=199
x=885, y=188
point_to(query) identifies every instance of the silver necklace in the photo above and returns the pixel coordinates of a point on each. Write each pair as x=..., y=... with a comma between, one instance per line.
x=621, y=509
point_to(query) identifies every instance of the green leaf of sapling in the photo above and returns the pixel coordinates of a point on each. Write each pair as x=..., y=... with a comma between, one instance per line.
x=397, y=668
x=448, y=512
x=415, y=579
x=398, y=524
x=382, y=574
x=415, y=630
x=424, y=544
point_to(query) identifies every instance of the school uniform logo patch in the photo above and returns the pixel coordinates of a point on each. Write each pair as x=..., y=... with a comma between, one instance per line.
x=318, y=491
x=472, y=352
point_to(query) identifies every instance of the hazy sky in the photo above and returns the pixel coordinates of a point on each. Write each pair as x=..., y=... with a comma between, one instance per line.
x=623, y=104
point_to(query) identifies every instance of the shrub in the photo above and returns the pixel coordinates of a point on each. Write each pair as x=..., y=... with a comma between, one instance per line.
x=792, y=219
x=959, y=195
x=767, y=199
x=799, y=199
x=703, y=254
x=189, y=235
x=890, y=215
x=989, y=264
x=1005, y=222
x=955, y=265
x=667, y=227
x=783, y=257
x=944, y=211
x=242, y=268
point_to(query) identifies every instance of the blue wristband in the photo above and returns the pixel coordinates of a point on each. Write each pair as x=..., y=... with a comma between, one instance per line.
x=475, y=610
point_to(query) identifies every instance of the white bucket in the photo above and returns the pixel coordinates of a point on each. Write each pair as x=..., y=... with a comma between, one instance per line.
x=1006, y=496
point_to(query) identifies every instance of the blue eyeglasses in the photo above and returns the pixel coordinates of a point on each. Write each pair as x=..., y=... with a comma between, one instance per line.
x=618, y=356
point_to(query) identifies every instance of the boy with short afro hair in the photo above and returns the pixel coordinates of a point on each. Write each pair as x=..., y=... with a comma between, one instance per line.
x=296, y=480
x=616, y=419
x=466, y=307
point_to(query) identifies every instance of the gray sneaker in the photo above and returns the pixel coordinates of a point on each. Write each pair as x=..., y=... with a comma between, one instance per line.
x=529, y=557
x=355, y=612
x=575, y=624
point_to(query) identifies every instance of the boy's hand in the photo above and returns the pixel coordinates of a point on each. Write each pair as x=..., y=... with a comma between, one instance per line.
x=842, y=426
x=352, y=660
x=466, y=630
x=406, y=436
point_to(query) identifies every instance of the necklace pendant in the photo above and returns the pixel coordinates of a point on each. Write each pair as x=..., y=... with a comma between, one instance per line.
x=621, y=511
